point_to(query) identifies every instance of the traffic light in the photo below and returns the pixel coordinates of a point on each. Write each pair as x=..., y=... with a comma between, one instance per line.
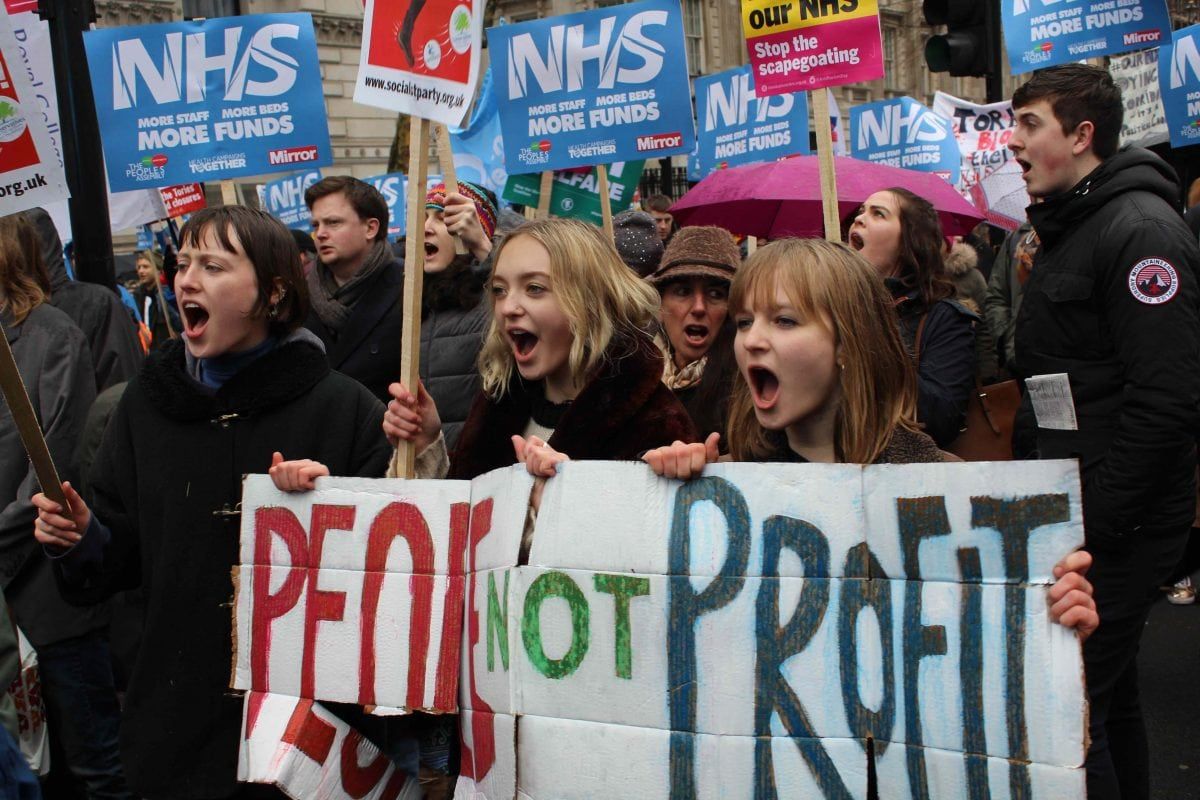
x=970, y=46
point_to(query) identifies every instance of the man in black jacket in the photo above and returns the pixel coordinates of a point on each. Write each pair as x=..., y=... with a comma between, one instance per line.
x=356, y=284
x=1112, y=303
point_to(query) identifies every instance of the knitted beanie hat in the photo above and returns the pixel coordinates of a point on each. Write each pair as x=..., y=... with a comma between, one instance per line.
x=637, y=241
x=484, y=200
x=698, y=251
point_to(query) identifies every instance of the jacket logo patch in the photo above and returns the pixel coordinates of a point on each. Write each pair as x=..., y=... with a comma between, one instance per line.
x=1153, y=281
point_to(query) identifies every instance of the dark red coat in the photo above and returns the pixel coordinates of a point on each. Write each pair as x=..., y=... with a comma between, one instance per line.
x=621, y=413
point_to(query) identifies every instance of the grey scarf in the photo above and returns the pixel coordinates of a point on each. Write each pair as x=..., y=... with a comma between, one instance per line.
x=333, y=303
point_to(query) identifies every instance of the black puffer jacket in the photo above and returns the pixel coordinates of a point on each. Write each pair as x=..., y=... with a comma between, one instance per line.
x=166, y=479
x=455, y=313
x=1112, y=301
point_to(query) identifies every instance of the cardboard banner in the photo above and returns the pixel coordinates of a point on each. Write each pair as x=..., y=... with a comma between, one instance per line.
x=207, y=100
x=184, y=199
x=595, y=87
x=1179, y=83
x=801, y=45
x=31, y=171
x=1042, y=33
x=737, y=127
x=990, y=178
x=479, y=147
x=420, y=58
x=284, y=199
x=751, y=628
x=903, y=133
x=1136, y=74
x=576, y=193
x=394, y=188
x=308, y=752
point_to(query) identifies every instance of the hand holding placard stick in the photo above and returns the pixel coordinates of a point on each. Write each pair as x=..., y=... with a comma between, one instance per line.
x=441, y=135
x=27, y=425
x=404, y=460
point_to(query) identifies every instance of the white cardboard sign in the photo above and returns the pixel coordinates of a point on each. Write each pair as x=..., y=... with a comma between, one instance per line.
x=764, y=630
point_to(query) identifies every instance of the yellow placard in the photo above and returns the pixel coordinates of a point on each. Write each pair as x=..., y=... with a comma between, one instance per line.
x=762, y=17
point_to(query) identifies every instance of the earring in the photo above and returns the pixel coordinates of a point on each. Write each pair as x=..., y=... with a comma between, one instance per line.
x=273, y=311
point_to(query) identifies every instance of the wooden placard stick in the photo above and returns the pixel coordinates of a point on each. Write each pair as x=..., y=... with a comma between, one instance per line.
x=751, y=244
x=829, y=200
x=605, y=200
x=544, y=192
x=404, y=460
x=27, y=425
x=441, y=137
x=229, y=195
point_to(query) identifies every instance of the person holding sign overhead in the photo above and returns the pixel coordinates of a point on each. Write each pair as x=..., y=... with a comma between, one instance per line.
x=243, y=383
x=454, y=312
x=1109, y=326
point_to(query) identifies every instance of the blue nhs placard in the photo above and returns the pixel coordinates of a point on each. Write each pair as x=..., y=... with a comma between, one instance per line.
x=1042, y=33
x=284, y=199
x=184, y=102
x=903, y=133
x=738, y=127
x=1179, y=84
x=593, y=87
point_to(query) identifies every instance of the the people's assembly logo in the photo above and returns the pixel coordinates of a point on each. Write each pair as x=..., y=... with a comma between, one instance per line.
x=1153, y=281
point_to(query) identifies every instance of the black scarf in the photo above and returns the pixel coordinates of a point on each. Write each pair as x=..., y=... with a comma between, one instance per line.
x=333, y=303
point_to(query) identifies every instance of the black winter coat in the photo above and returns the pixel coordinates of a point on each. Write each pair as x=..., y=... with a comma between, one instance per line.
x=368, y=346
x=621, y=413
x=455, y=316
x=56, y=367
x=945, y=363
x=167, y=482
x=1112, y=301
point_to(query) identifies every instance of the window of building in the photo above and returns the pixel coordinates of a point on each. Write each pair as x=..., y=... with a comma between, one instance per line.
x=208, y=9
x=693, y=33
x=891, y=77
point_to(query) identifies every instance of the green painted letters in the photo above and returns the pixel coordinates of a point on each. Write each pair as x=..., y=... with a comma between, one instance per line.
x=622, y=588
x=546, y=585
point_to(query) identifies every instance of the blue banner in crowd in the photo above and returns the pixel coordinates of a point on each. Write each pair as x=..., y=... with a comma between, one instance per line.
x=593, y=87
x=393, y=186
x=1042, y=33
x=183, y=102
x=737, y=127
x=479, y=147
x=904, y=133
x=1179, y=85
x=284, y=199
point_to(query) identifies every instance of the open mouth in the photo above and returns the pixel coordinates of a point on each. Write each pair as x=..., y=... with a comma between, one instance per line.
x=764, y=385
x=1025, y=166
x=195, y=318
x=431, y=250
x=696, y=335
x=856, y=240
x=523, y=343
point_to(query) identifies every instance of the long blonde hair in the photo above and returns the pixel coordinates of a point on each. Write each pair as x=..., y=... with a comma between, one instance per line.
x=829, y=282
x=23, y=282
x=601, y=297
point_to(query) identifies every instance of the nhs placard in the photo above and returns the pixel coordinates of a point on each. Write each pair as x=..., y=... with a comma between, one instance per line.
x=593, y=87
x=1042, y=33
x=1179, y=82
x=904, y=133
x=738, y=127
x=198, y=101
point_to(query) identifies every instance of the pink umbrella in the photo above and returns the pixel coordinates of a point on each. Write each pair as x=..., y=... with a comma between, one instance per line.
x=783, y=198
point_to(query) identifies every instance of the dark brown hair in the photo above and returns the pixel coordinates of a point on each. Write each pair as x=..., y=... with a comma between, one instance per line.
x=364, y=198
x=921, y=264
x=271, y=250
x=658, y=202
x=24, y=284
x=1079, y=93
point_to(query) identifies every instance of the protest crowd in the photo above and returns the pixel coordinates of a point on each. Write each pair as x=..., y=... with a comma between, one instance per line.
x=247, y=343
